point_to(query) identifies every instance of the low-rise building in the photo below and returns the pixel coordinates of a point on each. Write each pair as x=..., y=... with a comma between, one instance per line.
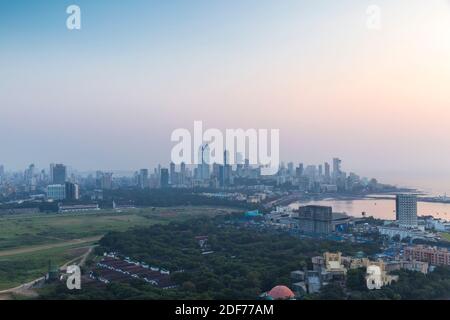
x=320, y=220
x=79, y=208
x=56, y=192
x=433, y=255
x=403, y=232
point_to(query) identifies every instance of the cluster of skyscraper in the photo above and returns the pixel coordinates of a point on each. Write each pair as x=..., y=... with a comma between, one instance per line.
x=322, y=178
x=203, y=175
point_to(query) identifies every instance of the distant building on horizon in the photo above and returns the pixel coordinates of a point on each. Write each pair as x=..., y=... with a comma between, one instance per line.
x=72, y=191
x=164, y=178
x=406, y=210
x=336, y=167
x=104, y=180
x=142, y=178
x=58, y=173
x=327, y=172
x=173, y=174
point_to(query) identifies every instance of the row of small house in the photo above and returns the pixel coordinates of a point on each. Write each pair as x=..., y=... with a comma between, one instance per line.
x=113, y=268
x=115, y=255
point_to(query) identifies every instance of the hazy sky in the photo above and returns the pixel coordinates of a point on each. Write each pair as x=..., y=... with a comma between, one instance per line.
x=109, y=96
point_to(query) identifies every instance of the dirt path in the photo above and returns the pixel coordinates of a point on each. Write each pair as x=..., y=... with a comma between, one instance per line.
x=30, y=249
x=26, y=289
x=82, y=259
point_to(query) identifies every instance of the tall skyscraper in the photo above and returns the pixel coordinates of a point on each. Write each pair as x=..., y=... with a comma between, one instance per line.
x=173, y=177
x=58, y=173
x=204, y=154
x=183, y=173
x=327, y=172
x=72, y=191
x=291, y=171
x=143, y=179
x=227, y=169
x=406, y=210
x=338, y=178
x=336, y=166
x=203, y=169
x=226, y=158
x=300, y=170
x=29, y=176
x=104, y=180
x=164, y=178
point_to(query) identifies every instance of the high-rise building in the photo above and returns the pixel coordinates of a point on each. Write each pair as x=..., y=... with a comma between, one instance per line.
x=143, y=179
x=58, y=173
x=173, y=174
x=203, y=171
x=204, y=154
x=29, y=176
x=164, y=178
x=217, y=174
x=300, y=170
x=183, y=173
x=225, y=170
x=104, y=180
x=327, y=172
x=311, y=172
x=336, y=166
x=406, y=210
x=203, y=168
x=291, y=171
x=226, y=158
x=72, y=191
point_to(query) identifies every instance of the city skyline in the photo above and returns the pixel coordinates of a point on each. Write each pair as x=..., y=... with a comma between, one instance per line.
x=324, y=168
x=62, y=182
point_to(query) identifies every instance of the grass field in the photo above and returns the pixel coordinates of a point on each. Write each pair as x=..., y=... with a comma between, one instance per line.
x=21, y=268
x=26, y=230
x=28, y=242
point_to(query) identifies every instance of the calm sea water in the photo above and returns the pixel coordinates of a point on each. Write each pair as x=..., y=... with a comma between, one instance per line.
x=433, y=184
x=379, y=208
